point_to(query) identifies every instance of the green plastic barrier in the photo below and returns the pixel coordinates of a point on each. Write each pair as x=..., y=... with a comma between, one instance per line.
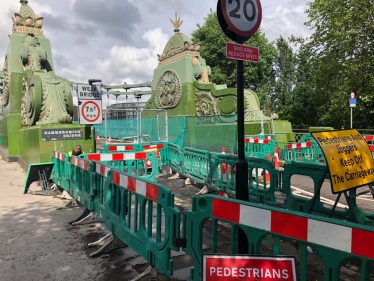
x=307, y=152
x=301, y=204
x=174, y=156
x=142, y=214
x=160, y=147
x=263, y=177
x=319, y=157
x=333, y=240
x=80, y=180
x=223, y=167
x=61, y=169
x=197, y=165
x=261, y=146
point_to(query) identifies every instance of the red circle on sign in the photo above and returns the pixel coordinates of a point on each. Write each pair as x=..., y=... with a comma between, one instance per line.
x=233, y=27
x=84, y=116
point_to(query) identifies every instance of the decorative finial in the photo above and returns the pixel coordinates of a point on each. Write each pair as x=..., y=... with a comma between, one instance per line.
x=177, y=23
x=24, y=2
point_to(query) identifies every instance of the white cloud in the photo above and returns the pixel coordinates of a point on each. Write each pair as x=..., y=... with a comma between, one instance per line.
x=131, y=63
x=80, y=53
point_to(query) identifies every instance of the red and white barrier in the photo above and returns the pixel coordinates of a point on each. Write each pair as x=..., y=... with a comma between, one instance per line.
x=81, y=163
x=156, y=146
x=140, y=187
x=117, y=156
x=59, y=155
x=101, y=169
x=300, y=145
x=255, y=140
x=120, y=147
x=351, y=240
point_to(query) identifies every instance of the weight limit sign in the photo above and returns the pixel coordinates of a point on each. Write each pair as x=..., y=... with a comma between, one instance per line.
x=90, y=112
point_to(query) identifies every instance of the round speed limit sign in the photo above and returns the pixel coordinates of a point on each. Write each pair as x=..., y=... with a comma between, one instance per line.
x=242, y=16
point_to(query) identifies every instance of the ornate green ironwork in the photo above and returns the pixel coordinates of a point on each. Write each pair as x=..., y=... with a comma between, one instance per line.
x=45, y=97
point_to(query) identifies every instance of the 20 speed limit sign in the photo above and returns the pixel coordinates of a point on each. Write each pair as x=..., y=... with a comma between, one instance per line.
x=242, y=16
x=90, y=112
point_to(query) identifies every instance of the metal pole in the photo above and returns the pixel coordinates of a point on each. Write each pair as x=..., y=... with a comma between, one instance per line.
x=351, y=117
x=241, y=174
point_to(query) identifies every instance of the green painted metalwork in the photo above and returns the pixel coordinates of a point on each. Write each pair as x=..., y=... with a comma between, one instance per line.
x=33, y=97
x=204, y=208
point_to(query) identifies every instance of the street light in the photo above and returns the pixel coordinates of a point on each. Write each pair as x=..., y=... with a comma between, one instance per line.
x=90, y=81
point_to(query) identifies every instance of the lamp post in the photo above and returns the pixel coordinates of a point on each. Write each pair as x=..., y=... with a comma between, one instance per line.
x=91, y=81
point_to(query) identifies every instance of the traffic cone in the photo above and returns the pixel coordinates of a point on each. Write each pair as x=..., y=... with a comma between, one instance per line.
x=222, y=193
x=223, y=150
x=267, y=176
x=276, y=159
x=109, y=139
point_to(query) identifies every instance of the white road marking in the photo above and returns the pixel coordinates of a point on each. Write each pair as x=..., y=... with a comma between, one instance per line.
x=302, y=193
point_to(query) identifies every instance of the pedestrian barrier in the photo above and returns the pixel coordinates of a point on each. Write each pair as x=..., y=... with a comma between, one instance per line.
x=142, y=214
x=119, y=198
x=257, y=147
x=61, y=169
x=334, y=240
x=301, y=152
x=174, y=156
x=160, y=147
x=80, y=180
x=370, y=140
x=197, y=165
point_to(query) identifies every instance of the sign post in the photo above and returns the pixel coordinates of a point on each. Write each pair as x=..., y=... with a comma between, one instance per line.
x=90, y=104
x=239, y=20
x=352, y=104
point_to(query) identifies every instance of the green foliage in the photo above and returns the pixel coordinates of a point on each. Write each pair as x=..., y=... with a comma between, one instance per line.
x=257, y=76
x=341, y=58
x=284, y=67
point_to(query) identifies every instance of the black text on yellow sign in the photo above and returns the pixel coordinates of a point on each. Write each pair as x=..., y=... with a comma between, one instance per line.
x=348, y=158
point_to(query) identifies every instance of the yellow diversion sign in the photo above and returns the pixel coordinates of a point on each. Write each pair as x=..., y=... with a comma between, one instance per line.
x=348, y=158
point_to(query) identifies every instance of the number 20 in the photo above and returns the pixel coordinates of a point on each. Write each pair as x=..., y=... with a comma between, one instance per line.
x=234, y=13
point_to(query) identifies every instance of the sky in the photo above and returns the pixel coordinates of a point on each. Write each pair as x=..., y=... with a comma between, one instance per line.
x=118, y=41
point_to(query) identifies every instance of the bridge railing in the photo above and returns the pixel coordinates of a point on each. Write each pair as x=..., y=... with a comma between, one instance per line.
x=333, y=241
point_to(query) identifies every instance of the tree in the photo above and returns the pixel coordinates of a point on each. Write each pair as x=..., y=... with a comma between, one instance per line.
x=342, y=56
x=257, y=76
x=282, y=98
